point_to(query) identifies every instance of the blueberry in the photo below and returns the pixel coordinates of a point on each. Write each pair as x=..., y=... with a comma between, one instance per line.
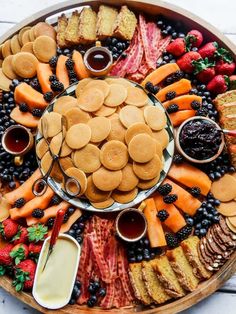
x=152, y=255
x=198, y=226
x=190, y=221
x=210, y=216
x=139, y=258
x=71, y=210
x=132, y=259
x=75, y=226
x=216, y=202
x=197, y=232
x=79, y=239
x=78, y=284
x=114, y=41
x=217, y=175
x=202, y=232
x=209, y=206
x=96, y=285
x=102, y=292
x=72, y=301
x=91, y=289
x=205, y=222
x=139, y=250
x=71, y=232
x=215, y=219
x=75, y=292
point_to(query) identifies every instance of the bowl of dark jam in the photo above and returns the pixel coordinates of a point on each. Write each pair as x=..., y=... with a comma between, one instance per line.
x=200, y=140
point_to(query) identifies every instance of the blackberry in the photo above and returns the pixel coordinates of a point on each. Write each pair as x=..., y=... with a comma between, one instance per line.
x=37, y=112
x=164, y=189
x=72, y=74
x=55, y=200
x=201, y=112
x=53, y=62
x=69, y=64
x=178, y=159
x=20, y=202
x=23, y=107
x=48, y=96
x=171, y=240
x=195, y=191
x=178, y=75
x=184, y=233
x=53, y=78
x=50, y=222
x=172, y=108
x=35, y=84
x=162, y=215
x=195, y=105
x=170, y=198
x=37, y=213
x=170, y=95
x=151, y=88
x=57, y=86
x=169, y=80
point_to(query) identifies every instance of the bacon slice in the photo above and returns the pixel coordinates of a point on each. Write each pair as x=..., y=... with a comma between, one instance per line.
x=107, y=301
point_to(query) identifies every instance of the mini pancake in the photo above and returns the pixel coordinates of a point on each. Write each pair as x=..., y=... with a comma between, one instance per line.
x=81, y=85
x=227, y=209
x=80, y=177
x=162, y=137
x=66, y=163
x=15, y=45
x=64, y=103
x=117, y=130
x=232, y=220
x=56, y=173
x=91, y=100
x=130, y=115
x=124, y=197
x=136, y=97
x=104, y=204
x=75, y=115
x=53, y=123
x=100, y=128
x=94, y=194
x=26, y=37
x=56, y=143
x=116, y=96
x=114, y=115
x=148, y=170
x=114, y=155
x=135, y=129
x=21, y=32
x=78, y=136
x=25, y=64
x=87, y=159
x=107, y=180
x=100, y=85
x=44, y=48
x=230, y=226
x=155, y=117
x=43, y=28
x=4, y=81
x=118, y=80
x=7, y=68
x=147, y=184
x=6, y=48
x=129, y=179
x=65, y=150
x=28, y=47
x=104, y=111
x=158, y=149
x=41, y=148
x=46, y=162
x=142, y=148
x=224, y=188
x=31, y=34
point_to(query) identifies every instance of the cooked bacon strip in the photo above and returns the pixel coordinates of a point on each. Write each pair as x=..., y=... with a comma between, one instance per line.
x=110, y=255
x=163, y=43
x=107, y=301
x=136, y=61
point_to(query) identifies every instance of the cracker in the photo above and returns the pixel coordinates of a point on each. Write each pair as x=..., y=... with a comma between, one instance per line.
x=21, y=32
x=56, y=143
x=87, y=158
x=78, y=136
x=147, y=184
x=25, y=64
x=114, y=155
x=15, y=45
x=155, y=118
x=91, y=100
x=44, y=48
x=94, y=194
x=162, y=137
x=117, y=130
x=104, y=204
x=41, y=148
x=65, y=150
x=43, y=28
x=136, y=97
x=135, y=129
x=81, y=86
x=107, y=180
x=80, y=177
x=46, y=162
x=6, y=48
x=28, y=47
x=64, y=103
x=4, y=81
x=52, y=121
x=100, y=85
x=100, y=129
x=7, y=68
x=130, y=115
x=129, y=179
x=124, y=197
x=104, y=111
x=116, y=96
x=148, y=170
x=75, y=115
x=142, y=148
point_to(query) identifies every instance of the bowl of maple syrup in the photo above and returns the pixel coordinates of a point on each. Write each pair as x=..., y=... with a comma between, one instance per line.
x=131, y=225
x=98, y=60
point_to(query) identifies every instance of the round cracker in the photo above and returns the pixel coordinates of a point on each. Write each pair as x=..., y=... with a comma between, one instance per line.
x=114, y=155
x=107, y=180
x=53, y=123
x=116, y=96
x=124, y=197
x=94, y=194
x=104, y=204
x=6, y=48
x=21, y=32
x=56, y=143
x=46, y=162
x=117, y=130
x=91, y=100
x=148, y=184
x=65, y=150
x=26, y=37
x=142, y=148
x=162, y=137
x=148, y=170
x=4, y=81
x=104, y=111
x=43, y=28
x=15, y=45
x=81, y=85
x=136, y=97
x=129, y=179
x=64, y=103
x=87, y=159
x=80, y=177
x=130, y=115
x=155, y=117
x=41, y=148
x=100, y=129
x=135, y=129
x=78, y=136
x=75, y=115
x=100, y=85
x=7, y=68
x=44, y=48
x=28, y=47
x=25, y=64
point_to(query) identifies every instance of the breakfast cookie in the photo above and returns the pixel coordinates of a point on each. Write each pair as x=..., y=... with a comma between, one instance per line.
x=114, y=155
x=117, y=130
x=135, y=129
x=80, y=177
x=4, y=81
x=26, y=37
x=44, y=48
x=45, y=29
x=148, y=170
x=56, y=143
x=25, y=64
x=21, y=32
x=147, y=184
x=130, y=115
x=66, y=163
x=41, y=148
x=91, y=100
x=100, y=128
x=94, y=194
x=6, y=48
x=104, y=204
x=78, y=136
x=28, y=47
x=81, y=86
x=124, y=197
x=162, y=137
x=129, y=179
x=100, y=85
x=116, y=96
x=87, y=158
x=136, y=97
x=142, y=148
x=52, y=124
x=46, y=162
x=155, y=118
x=65, y=150
x=64, y=103
x=15, y=45
x=7, y=68
x=75, y=115
x=104, y=111
x=107, y=180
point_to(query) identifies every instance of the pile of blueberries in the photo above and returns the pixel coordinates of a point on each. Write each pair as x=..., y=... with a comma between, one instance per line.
x=117, y=47
x=76, y=230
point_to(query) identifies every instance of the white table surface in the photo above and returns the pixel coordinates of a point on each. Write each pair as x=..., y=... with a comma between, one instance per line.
x=217, y=12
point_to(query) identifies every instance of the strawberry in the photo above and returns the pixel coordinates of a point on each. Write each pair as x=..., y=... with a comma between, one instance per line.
x=8, y=228
x=21, y=236
x=225, y=68
x=37, y=233
x=219, y=84
x=208, y=50
x=204, y=70
x=24, y=275
x=232, y=82
x=19, y=252
x=35, y=248
x=177, y=47
x=194, y=38
x=185, y=62
x=5, y=258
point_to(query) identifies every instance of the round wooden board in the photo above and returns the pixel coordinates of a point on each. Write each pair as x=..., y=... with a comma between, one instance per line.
x=153, y=7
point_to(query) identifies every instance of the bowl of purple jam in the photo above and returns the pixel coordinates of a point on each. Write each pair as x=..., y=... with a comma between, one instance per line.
x=200, y=140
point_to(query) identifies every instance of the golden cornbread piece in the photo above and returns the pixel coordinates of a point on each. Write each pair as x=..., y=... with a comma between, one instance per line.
x=105, y=21
x=87, y=26
x=61, y=31
x=71, y=32
x=125, y=24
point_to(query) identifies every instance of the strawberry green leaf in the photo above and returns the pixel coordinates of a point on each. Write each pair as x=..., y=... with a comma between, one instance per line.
x=16, y=236
x=2, y=270
x=227, y=80
x=37, y=233
x=202, y=64
x=18, y=255
x=224, y=54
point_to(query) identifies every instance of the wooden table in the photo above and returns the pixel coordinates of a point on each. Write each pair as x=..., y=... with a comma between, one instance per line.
x=219, y=13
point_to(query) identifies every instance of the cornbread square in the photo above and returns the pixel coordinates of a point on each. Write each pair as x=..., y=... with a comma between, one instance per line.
x=225, y=98
x=71, y=35
x=229, y=108
x=61, y=30
x=87, y=26
x=105, y=21
x=125, y=24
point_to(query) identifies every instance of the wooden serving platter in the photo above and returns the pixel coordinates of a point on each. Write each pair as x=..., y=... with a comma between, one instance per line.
x=151, y=7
